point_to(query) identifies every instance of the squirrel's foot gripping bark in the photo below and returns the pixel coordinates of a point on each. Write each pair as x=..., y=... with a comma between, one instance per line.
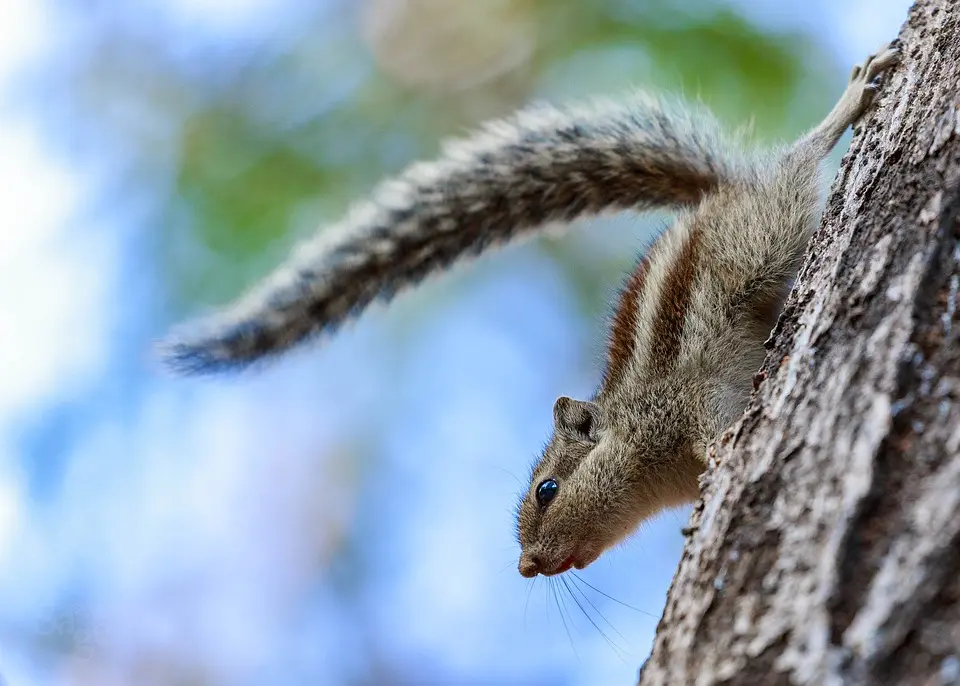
x=863, y=83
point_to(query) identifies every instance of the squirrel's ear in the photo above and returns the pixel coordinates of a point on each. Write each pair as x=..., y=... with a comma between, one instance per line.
x=576, y=418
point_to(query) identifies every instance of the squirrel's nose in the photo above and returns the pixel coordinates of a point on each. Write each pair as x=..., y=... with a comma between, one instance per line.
x=530, y=565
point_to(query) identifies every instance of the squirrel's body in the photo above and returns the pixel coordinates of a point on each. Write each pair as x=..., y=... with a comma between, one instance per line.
x=688, y=331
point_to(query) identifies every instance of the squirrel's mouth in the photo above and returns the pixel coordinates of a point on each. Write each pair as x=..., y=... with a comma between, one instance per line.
x=564, y=566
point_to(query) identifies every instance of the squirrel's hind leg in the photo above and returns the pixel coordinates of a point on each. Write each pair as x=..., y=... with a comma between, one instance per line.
x=858, y=96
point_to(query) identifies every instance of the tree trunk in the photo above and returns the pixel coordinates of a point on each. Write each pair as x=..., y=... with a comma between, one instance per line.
x=826, y=546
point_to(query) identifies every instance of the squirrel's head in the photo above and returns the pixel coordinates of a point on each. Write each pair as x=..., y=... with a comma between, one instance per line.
x=598, y=478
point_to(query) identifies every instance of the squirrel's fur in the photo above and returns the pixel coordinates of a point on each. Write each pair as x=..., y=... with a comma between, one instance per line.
x=688, y=331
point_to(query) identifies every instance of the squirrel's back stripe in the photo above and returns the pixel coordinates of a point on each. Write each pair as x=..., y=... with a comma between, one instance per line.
x=672, y=308
x=623, y=329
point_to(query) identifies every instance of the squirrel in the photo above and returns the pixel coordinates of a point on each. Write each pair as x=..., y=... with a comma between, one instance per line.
x=688, y=329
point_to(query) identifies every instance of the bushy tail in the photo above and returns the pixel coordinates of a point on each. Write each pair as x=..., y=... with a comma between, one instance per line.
x=543, y=164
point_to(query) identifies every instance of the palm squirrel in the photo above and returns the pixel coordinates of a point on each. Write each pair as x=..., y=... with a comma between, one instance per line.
x=688, y=330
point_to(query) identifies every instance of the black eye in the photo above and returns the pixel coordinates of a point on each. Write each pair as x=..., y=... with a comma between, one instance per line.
x=546, y=491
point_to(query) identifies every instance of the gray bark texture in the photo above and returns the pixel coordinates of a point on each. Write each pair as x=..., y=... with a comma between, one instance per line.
x=826, y=546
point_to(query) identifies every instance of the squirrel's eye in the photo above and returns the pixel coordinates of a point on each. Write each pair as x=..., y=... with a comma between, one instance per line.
x=546, y=491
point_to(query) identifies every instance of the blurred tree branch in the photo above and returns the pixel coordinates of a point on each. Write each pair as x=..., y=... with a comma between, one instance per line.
x=826, y=547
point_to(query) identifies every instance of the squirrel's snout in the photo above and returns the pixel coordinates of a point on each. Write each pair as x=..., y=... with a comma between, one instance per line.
x=530, y=565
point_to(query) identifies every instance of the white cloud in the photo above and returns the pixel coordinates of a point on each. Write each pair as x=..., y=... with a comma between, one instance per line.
x=11, y=510
x=23, y=31
x=53, y=279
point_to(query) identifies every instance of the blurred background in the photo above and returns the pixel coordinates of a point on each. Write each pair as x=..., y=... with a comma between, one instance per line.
x=345, y=515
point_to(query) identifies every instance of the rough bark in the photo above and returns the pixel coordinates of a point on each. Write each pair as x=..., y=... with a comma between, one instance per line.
x=826, y=547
